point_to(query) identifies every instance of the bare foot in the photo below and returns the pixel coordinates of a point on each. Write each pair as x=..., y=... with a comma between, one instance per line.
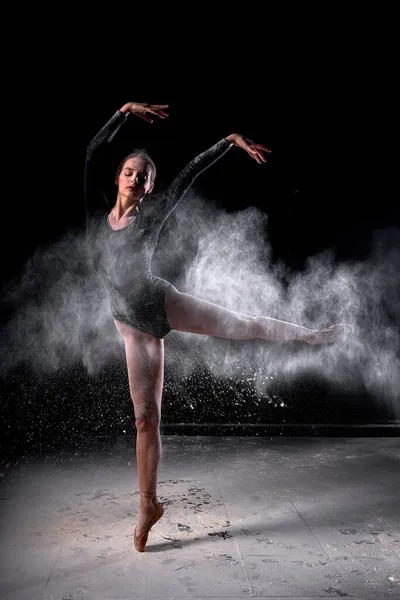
x=330, y=335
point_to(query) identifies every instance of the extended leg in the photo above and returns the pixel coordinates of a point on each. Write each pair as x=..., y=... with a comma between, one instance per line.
x=194, y=315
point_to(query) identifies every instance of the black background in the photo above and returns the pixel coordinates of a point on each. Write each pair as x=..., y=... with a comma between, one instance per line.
x=329, y=120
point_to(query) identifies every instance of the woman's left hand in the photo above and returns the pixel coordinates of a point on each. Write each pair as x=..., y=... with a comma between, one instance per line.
x=253, y=149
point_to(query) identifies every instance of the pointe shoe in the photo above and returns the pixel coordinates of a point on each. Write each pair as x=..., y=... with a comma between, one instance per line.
x=140, y=541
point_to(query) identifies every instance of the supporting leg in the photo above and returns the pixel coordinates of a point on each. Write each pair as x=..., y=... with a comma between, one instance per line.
x=145, y=363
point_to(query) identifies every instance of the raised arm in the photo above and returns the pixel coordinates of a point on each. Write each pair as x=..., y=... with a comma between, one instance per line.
x=188, y=175
x=95, y=197
x=198, y=165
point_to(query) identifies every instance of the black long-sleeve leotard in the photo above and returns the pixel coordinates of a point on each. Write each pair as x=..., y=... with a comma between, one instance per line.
x=122, y=258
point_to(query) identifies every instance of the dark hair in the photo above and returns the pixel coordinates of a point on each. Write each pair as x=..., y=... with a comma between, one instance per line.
x=144, y=154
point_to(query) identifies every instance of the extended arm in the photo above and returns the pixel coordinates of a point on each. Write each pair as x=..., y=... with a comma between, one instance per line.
x=198, y=165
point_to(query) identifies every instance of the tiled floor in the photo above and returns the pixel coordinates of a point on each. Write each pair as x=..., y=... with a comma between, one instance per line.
x=244, y=517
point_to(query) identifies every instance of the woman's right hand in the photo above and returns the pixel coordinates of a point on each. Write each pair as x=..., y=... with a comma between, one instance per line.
x=141, y=109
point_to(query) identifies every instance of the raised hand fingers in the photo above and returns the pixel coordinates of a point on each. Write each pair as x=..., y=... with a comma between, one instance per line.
x=144, y=111
x=158, y=109
x=149, y=119
x=255, y=151
x=261, y=147
x=143, y=116
x=256, y=155
x=260, y=155
x=157, y=112
x=258, y=150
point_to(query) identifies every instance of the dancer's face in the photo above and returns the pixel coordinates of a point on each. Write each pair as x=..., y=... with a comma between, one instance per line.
x=134, y=181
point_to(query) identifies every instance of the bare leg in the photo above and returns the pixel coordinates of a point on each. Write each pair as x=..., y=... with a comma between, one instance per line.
x=190, y=314
x=145, y=363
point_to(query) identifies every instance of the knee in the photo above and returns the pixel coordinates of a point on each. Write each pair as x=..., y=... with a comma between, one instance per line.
x=148, y=424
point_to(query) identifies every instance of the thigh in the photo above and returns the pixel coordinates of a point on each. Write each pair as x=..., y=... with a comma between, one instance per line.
x=194, y=315
x=145, y=362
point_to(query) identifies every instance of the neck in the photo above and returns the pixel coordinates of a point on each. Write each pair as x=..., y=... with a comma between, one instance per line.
x=125, y=207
